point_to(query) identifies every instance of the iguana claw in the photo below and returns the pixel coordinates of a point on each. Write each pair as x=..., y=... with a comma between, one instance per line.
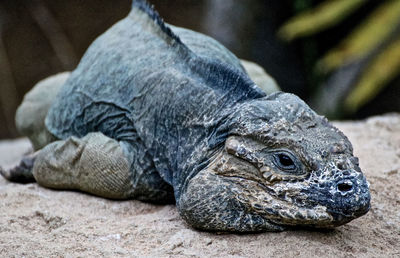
x=21, y=173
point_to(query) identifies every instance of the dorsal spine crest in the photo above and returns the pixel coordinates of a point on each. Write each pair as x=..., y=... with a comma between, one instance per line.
x=145, y=7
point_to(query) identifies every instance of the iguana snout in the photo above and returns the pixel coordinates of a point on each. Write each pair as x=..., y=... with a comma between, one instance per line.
x=341, y=187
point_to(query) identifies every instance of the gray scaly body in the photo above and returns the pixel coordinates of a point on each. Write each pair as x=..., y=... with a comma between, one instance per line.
x=156, y=112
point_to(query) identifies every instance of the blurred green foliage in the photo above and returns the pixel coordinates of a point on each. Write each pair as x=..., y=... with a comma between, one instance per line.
x=362, y=63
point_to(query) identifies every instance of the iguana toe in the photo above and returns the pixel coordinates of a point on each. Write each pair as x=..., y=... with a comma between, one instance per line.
x=21, y=173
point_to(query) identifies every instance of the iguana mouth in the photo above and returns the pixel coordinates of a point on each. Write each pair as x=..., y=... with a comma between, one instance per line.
x=345, y=199
x=261, y=199
x=292, y=203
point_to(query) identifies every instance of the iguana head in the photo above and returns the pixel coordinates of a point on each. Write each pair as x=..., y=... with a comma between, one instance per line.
x=282, y=165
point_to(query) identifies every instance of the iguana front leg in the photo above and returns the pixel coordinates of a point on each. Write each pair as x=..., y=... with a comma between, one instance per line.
x=98, y=165
x=94, y=164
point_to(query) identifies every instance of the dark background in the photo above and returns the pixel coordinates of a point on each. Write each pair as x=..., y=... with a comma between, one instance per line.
x=39, y=38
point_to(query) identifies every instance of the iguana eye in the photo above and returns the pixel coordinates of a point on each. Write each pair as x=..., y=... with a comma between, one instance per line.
x=285, y=161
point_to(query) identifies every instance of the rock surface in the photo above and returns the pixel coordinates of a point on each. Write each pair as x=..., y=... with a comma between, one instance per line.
x=38, y=222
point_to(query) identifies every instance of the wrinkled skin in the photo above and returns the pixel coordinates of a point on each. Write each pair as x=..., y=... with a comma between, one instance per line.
x=278, y=171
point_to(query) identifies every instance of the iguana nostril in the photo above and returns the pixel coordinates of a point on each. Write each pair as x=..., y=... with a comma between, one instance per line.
x=341, y=165
x=345, y=187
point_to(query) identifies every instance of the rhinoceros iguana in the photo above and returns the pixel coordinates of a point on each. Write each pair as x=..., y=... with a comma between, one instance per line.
x=162, y=114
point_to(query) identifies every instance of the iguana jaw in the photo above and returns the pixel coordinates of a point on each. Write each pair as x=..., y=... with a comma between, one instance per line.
x=216, y=202
x=211, y=202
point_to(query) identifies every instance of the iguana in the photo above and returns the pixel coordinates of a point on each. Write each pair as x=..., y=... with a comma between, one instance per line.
x=164, y=114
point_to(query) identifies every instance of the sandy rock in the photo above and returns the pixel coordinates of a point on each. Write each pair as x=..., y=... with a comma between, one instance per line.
x=38, y=222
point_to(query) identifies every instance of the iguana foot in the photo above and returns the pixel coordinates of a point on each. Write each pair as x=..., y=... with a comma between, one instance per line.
x=21, y=173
